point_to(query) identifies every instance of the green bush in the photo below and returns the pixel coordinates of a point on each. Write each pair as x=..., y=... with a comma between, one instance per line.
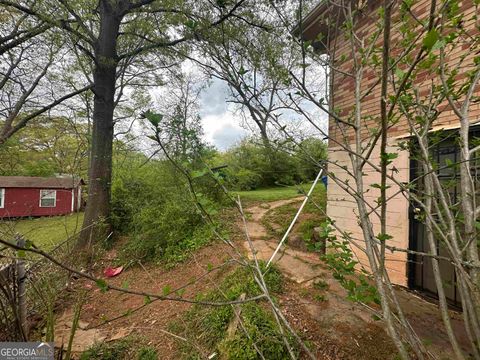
x=247, y=179
x=151, y=203
x=115, y=350
x=262, y=330
x=124, y=349
x=147, y=353
x=252, y=166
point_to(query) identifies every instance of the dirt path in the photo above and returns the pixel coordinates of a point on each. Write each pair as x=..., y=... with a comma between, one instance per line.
x=299, y=266
x=339, y=328
x=357, y=335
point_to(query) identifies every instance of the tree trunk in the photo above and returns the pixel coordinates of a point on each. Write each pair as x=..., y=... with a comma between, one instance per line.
x=96, y=222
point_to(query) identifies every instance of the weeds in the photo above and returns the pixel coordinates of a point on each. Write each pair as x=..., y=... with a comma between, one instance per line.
x=208, y=326
x=128, y=348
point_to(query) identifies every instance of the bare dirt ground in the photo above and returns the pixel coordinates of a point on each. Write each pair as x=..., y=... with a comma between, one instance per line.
x=335, y=327
x=340, y=320
x=151, y=321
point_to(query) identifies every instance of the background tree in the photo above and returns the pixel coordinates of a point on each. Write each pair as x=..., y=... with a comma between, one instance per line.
x=29, y=84
x=47, y=147
x=114, y=35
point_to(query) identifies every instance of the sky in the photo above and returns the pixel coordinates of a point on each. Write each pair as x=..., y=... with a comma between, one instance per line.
x=221, y=124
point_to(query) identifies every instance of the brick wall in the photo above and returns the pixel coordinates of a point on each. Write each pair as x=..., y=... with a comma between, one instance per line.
x=341, y=207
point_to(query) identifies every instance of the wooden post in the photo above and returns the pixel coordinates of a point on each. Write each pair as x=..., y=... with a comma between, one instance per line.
x=22, y=301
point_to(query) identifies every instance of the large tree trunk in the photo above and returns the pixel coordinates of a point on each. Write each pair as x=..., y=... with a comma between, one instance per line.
x=96, y=223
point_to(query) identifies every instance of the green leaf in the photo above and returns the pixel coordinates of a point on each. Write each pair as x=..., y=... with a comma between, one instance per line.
x=384, y=237
x=154, y=118
x=198, y=173
x=477, y=225
x=388, y=157
x=102, y=284
x=191, y=24
x=431, y=39
x=242, y=71
x=399, y=73
x=147, y=300
x=167, y=290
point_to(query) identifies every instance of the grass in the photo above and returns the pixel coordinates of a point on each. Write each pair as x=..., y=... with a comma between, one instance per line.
x=44, y=232
x=127, y=348
x=206, y=327
x=277, y=220
x=275, y=193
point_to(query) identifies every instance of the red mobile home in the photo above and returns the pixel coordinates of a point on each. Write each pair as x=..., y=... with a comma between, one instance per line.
x=22, y=196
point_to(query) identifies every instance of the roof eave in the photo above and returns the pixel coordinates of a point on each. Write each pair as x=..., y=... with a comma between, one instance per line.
x=310, y=27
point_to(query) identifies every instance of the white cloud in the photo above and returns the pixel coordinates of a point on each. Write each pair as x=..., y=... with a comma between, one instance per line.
x=213, y=98
x=222, y=130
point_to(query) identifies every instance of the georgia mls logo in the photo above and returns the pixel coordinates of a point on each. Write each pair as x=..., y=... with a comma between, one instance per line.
x=26, y=351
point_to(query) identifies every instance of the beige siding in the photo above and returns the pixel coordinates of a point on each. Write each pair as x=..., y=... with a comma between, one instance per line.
x=342, y=208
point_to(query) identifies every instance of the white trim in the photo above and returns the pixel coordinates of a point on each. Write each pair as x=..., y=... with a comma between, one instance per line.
x=79, y=199
x=73, y=199
x=2, y=198
x=54, y=198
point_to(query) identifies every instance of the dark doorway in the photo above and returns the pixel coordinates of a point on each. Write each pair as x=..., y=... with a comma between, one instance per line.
x=444, y=152
x=421, y=277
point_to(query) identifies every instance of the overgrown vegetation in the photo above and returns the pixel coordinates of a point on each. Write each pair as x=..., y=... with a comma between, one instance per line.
x=206, y=327
x=277, y=220
x=147, y=194
x=342, y=262
x=125, y=349
x=252, y=166
x=153, y=205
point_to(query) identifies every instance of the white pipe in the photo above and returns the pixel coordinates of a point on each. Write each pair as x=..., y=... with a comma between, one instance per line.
x=295, y=218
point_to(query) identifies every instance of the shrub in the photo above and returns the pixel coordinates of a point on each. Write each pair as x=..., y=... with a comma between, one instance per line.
x=152, y=204
x=247, y=179
x=114, y=350
x=262, y=330
x=124, y=349
x=147, y=353
x=252, y=166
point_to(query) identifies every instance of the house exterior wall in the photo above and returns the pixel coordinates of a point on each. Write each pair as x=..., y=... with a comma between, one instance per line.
x=23, y=202
x=341, y=207
x=343, y=85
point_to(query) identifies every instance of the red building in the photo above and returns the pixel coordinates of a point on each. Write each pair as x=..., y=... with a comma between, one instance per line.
x=22, y=196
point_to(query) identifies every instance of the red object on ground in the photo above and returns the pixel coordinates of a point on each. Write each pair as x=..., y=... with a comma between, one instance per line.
x=111, y=272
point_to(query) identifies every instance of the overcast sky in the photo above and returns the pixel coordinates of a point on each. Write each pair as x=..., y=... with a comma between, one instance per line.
x=220, y=124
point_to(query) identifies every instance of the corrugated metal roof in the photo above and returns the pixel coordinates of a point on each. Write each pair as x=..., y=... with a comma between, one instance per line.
x=64, y=182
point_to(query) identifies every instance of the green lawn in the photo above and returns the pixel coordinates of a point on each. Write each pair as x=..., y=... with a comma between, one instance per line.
x=45, y=232
x=276, y=193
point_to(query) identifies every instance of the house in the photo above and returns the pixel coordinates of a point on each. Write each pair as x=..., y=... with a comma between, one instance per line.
x=22, y=196
x=323, y=28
